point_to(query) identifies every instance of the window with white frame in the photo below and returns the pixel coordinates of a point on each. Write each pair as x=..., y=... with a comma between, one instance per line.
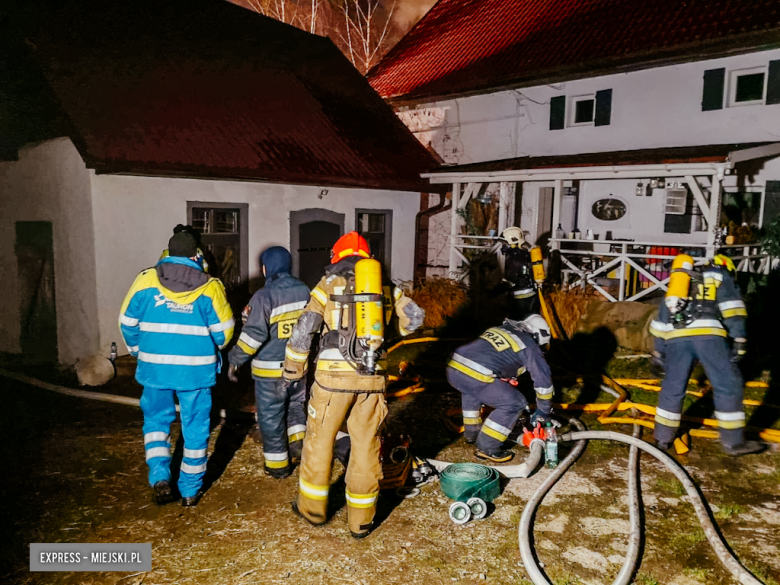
x=747, y=87
x=582, y=110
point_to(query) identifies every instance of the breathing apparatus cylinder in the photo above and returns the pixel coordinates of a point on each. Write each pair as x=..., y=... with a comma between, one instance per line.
x=369, y=317
x=679, y=283
x=536, y=263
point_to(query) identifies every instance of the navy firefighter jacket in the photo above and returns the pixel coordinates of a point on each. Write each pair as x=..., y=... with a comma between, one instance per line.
x=272, y=314
x=501, y=353
x=714, y=308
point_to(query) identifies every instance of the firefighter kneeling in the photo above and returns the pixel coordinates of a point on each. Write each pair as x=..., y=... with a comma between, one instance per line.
x=346, y=307
x=701, y=310
x=479, y=370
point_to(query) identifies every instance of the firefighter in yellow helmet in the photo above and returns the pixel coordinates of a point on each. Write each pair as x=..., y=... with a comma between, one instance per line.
x=702, y=309
x=349, y=379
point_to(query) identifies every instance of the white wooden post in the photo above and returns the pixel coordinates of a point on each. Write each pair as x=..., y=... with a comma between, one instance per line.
x=713, y=220
x=454, y=226
x=556, y=218
x=623, y=252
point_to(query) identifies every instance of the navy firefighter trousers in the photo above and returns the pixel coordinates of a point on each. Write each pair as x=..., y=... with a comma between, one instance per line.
x=715, y=356
x=508, y=402
x=282, y=420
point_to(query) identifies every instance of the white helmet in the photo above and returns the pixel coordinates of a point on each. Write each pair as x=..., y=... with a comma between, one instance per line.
x=537, y=326
x=513, y=236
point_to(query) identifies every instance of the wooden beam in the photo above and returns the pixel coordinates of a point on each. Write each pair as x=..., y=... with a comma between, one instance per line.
x=699, y=196
x=714, y=216
x=454, y=227
x=556, y=218
x=471, y=189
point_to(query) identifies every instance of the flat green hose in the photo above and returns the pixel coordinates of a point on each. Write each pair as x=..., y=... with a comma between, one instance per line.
x=461, y=481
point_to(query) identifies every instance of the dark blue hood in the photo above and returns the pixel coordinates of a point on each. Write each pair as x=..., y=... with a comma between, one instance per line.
x=277, y=260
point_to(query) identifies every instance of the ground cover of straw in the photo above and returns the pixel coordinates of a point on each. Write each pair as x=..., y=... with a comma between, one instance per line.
x=80, y=477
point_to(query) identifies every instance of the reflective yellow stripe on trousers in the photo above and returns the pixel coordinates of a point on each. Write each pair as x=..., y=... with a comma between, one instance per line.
x=311, y=491
x=361, y=500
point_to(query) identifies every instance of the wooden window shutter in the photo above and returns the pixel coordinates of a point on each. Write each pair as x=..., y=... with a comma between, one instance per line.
x=712, y=96
x=603, y=108
x=558, y=112
x=773, y=83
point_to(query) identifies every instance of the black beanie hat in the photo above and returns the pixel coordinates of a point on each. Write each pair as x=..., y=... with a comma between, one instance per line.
x=182, y=244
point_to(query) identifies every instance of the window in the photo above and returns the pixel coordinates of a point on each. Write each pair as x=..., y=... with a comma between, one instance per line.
x=223, y=235
x=741, y=207
x=747, y=86
x=675, y=201
x=583, y=109
x=376, y=226
x=678, y=211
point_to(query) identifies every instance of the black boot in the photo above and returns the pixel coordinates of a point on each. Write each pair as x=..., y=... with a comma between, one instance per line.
x=744, y=448
x=298, y=513
x=192, y=501
x=163, y=493
x=279, y=473
x=499, y=456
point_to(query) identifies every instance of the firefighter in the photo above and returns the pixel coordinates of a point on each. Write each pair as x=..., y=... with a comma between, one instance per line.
x=481, y=371
x=349, y=381
x=518, y=274
x=269, y=319
x=175, y=320
x=701, y=310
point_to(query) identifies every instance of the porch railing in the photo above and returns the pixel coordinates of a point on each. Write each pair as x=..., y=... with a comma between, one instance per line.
x=640, y=268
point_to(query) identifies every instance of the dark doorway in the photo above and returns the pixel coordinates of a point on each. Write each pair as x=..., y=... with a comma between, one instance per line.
x=35, y=267
x=312, y=235
x=316, y=240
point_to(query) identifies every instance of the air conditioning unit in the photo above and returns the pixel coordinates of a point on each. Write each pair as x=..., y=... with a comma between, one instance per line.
x=676, y=201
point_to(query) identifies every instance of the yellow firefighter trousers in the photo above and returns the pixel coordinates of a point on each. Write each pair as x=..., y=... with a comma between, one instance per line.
x=327, y=411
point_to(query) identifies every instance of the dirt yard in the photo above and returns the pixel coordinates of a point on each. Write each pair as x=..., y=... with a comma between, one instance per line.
x=75, y=472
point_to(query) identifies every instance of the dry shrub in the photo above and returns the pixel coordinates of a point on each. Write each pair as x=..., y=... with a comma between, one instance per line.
x=440, y=298
x=569, y=305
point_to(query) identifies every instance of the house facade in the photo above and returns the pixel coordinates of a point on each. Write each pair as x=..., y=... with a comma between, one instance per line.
x=606, y=118
x=120, y=135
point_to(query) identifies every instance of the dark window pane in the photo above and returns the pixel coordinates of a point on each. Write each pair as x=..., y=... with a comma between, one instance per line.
x=750, y=87
x=371, y=223
x=583, y=111
x=200, y=219
x=225, y=221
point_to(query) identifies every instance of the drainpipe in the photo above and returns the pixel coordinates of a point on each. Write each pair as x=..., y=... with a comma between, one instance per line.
x=420, y=247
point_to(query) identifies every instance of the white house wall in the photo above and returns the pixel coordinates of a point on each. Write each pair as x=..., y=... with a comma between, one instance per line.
x=134, y=218
x=651, y=108
x=50, y=183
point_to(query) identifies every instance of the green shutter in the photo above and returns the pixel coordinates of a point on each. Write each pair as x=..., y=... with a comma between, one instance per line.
x=773, y=83
x=712, y=96
x=558, y=112
x=603, y=108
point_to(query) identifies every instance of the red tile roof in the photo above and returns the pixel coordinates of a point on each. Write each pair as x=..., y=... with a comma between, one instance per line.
x=468, y=46
x=208, y=89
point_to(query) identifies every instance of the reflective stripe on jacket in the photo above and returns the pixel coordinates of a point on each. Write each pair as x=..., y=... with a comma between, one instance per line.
x=176, y=335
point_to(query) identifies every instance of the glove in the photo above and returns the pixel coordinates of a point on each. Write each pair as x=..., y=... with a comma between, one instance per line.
x=738, y=349
x=233, y=373
x=657, y=366
x=543, y=412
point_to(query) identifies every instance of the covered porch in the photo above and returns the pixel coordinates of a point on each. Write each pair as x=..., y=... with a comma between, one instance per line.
x=616, y=219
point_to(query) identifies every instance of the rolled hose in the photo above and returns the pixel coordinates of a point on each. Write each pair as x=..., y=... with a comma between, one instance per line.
x=731, y=563
x=461, y=481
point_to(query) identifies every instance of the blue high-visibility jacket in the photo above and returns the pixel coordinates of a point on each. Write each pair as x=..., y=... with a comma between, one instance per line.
x=175, y=319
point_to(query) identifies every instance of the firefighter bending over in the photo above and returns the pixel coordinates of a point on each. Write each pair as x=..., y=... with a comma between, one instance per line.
x=346, y=307
x=701, y=310
x=269, y=319
x=481, y=371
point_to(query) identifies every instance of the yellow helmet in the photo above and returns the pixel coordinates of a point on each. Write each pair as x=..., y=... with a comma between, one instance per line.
x=725, y=262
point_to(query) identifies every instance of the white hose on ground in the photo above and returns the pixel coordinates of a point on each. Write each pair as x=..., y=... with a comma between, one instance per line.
x=529, y=562
x=525, y=469
x=126, y=400
x=731, y=563
x=634, y=517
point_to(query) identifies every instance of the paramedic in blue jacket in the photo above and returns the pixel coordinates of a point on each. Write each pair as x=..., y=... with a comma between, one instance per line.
x=175, y=320
x=269, y=319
